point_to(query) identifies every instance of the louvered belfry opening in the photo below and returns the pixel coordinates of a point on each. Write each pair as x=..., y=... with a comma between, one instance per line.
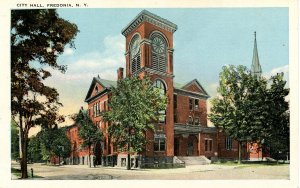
x=159, y=53
x=136, y=63
x=135, y=54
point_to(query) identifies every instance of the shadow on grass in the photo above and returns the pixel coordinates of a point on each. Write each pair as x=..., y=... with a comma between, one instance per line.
x=17, y=172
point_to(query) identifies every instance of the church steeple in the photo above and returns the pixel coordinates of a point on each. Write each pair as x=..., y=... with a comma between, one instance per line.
x=255, y=67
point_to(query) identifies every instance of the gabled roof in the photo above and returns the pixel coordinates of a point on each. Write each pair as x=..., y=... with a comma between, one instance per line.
x=195, y=81
x=106, y=84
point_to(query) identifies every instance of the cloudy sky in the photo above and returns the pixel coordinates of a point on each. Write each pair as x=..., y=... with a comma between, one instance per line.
x=206, y=40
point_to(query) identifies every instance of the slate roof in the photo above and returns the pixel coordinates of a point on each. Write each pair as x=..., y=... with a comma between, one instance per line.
x=107, y=84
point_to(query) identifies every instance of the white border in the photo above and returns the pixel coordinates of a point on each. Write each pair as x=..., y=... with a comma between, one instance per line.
x=5, y=176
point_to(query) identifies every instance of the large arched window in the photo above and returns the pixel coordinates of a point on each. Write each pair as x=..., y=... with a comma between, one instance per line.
x=160, y=85
x=159, y=52
x=135, y=54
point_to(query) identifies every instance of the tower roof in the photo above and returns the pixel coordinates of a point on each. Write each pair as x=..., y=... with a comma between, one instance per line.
x=255, y=67
x=151, y=18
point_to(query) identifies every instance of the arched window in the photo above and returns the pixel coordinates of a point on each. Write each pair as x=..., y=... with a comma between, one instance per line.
x=159, y=84
x=135, y=54
x=159, y=52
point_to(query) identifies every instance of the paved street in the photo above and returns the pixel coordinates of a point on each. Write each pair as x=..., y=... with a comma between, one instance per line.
x=196, y=172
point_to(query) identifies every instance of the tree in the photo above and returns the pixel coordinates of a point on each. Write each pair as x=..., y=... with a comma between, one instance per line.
x=248, y=110
x=54, y=143
x=38, y=37
x=277, y=124
x=14, y=141
x=135, y=104
x=88, y=132
x=61, y=144
x=237, y=109
x=34, y=149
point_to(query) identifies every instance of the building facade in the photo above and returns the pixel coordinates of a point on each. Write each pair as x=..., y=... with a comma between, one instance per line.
x=182, y=128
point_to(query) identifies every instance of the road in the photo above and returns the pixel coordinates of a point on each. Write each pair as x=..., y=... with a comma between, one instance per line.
x=195, y=172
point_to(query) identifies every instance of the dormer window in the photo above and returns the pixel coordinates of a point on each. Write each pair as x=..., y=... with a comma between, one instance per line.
x=96, y=89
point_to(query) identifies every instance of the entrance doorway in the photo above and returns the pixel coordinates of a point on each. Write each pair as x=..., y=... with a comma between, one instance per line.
x=98, y=153
x=176, y=146
x=190, y=148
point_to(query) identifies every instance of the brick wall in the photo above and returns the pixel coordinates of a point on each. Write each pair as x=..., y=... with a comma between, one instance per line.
x=208, y=136
x=183, y=111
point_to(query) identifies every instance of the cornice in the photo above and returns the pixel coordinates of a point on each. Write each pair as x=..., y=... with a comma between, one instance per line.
x=149, y=70
x=190, y=93
x=146, y=16
x=98, y=95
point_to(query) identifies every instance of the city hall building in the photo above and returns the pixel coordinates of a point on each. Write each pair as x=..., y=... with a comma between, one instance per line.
x=181, y=134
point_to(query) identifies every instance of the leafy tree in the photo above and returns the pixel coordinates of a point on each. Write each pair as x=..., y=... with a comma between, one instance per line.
x=14, y=141
x=277, y=123
x=38, y=37
x=34, y=149
x=88, y=132
x=236, y=110
x=246, y=109
x=61, y=144
x=54, y=143
x=133, y=107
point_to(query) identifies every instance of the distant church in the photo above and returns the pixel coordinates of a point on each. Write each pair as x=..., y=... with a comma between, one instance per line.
x=181, y=134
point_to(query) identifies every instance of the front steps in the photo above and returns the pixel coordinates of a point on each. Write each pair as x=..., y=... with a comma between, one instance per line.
x=194, y=160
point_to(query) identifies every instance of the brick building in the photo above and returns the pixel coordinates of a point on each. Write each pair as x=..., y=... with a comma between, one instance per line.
x=182, y=129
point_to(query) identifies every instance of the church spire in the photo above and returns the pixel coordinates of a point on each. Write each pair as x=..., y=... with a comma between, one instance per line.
x=255, y=67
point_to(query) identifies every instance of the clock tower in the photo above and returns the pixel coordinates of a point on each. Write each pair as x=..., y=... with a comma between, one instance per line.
x=149, y=51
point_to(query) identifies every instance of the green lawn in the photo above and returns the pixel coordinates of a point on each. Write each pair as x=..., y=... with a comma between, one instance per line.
x=17, y=172
x=248, y=163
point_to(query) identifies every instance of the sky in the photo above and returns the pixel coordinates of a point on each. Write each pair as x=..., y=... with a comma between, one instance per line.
x=206, y=40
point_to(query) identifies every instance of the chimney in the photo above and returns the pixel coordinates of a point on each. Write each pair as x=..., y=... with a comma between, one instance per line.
x=120, y=73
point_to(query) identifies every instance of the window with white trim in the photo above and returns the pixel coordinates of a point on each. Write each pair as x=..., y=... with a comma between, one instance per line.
x=197, y=121
x=228, y=143
x=208, y=145
x=190, y=120
x=196, y=103
x=98, y=108
x=191, y=103
x=159, y=142
x=94, y=110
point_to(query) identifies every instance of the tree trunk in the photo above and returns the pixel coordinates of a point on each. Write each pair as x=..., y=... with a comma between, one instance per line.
x=128, y=157
x=24, y=158
x=240, y=150
x=90, y=156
